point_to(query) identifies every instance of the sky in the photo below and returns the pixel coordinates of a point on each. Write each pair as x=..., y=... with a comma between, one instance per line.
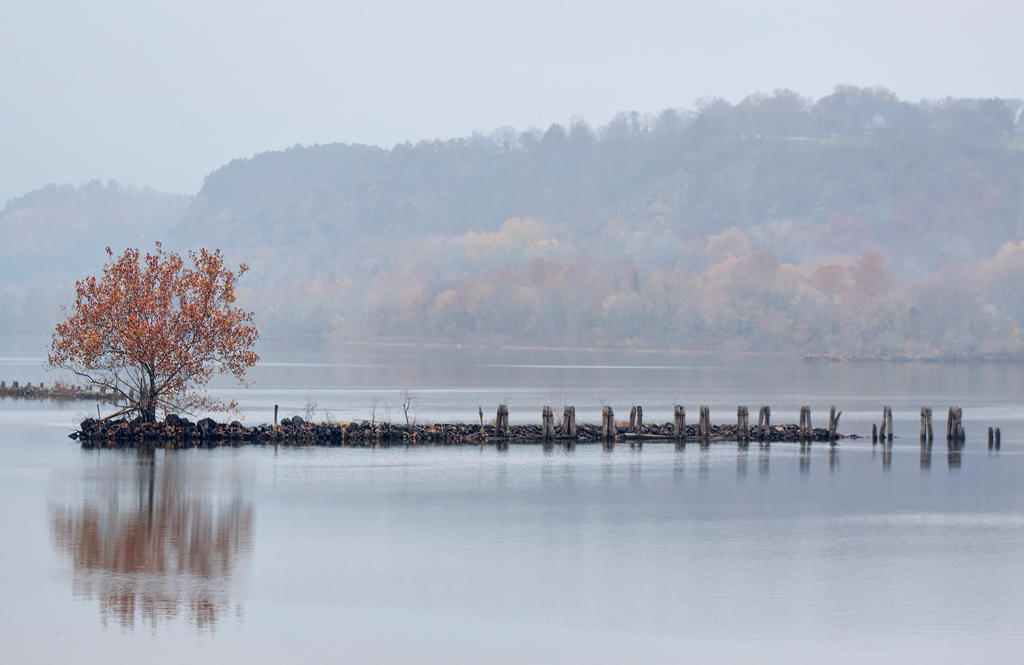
x=159, y=94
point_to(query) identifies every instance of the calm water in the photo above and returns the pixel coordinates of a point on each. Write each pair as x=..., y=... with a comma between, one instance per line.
x=652, y=554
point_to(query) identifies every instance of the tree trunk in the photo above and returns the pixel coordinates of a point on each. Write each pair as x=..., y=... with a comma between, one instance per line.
x=147, y=400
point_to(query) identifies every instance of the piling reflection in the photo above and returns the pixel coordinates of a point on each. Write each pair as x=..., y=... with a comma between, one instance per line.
x=764, y=459
x=150, y=544
x=953, y=454
x=926, y=456
x=741, y=460
x=805, y=458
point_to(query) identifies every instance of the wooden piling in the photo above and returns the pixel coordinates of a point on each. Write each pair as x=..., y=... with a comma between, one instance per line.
x=888, y=423
x=679, y=421
x=636, y=419
x=955, y=424
x=547, y=423
x=833, y=422
x=874, y=433
x=569, y=422
x=704, y=424
x=275, y=415
x=991, y=438
x=805, y=422
x=764, y=422
x=742, y=423
x=501, y=421
x=926, y=423
x=997, y=438
x=607, y=423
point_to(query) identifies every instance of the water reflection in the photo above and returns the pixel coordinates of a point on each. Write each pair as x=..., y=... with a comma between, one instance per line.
x=805, y=458
x=151, y=542
x=741, y=460
x=764, y=459
x=953, y=454
x=926, y=456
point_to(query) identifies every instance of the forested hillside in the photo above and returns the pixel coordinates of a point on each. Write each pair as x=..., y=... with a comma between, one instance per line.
x=55, y=235
x=857, y=223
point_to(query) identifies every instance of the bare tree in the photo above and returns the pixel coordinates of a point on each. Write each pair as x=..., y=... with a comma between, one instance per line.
x=374, y=403
x=309, y=409
x=407, y=400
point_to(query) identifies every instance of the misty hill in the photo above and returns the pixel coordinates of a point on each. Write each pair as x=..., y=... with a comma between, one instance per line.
x=57, y=234
x=857, y=224
x=854, y=171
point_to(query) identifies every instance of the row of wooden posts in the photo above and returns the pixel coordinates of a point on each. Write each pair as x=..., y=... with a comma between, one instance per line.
x=954, y=423
x=609, y=429
x=954, y=427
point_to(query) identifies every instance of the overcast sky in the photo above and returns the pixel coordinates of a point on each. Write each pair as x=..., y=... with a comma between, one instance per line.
x=161, y=93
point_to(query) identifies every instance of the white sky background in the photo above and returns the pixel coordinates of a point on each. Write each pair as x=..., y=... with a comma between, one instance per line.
x=161, y=93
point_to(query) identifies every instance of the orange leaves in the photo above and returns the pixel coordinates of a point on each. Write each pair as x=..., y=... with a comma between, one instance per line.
x=155, y=328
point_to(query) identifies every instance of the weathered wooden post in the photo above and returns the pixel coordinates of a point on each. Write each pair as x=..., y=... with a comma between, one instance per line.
x=607, y=423
x=501, y=421
x=955, y=424
x=764, y=421
x=805, y=422
x=275, y=415
x=742, y=423
x=997, y=438
x=888, y=423
x=679, y=421
x=704, y=424
x=547, y=423
x=569, y=422
x=991, y=438
x=833, y=423
x=926, y=423
x=874, y=433
x=636, y=419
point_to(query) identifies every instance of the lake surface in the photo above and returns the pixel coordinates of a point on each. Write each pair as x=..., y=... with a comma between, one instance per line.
x=657, y=553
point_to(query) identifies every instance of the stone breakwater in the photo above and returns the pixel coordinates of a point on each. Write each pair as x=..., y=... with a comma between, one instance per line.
x=177, y=432
x=58, y=391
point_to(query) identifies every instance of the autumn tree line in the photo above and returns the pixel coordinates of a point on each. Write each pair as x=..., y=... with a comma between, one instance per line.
x=858, y=224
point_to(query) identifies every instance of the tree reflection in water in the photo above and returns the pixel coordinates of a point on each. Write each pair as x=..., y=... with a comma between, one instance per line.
x=155, y=543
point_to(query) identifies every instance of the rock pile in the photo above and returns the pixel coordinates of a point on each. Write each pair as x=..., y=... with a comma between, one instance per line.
x=178, y=432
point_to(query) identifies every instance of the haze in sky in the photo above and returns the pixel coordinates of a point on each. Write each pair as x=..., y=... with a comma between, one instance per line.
x=161, y=93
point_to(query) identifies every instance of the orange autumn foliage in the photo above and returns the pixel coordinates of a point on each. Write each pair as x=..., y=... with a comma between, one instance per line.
x=154, y=330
